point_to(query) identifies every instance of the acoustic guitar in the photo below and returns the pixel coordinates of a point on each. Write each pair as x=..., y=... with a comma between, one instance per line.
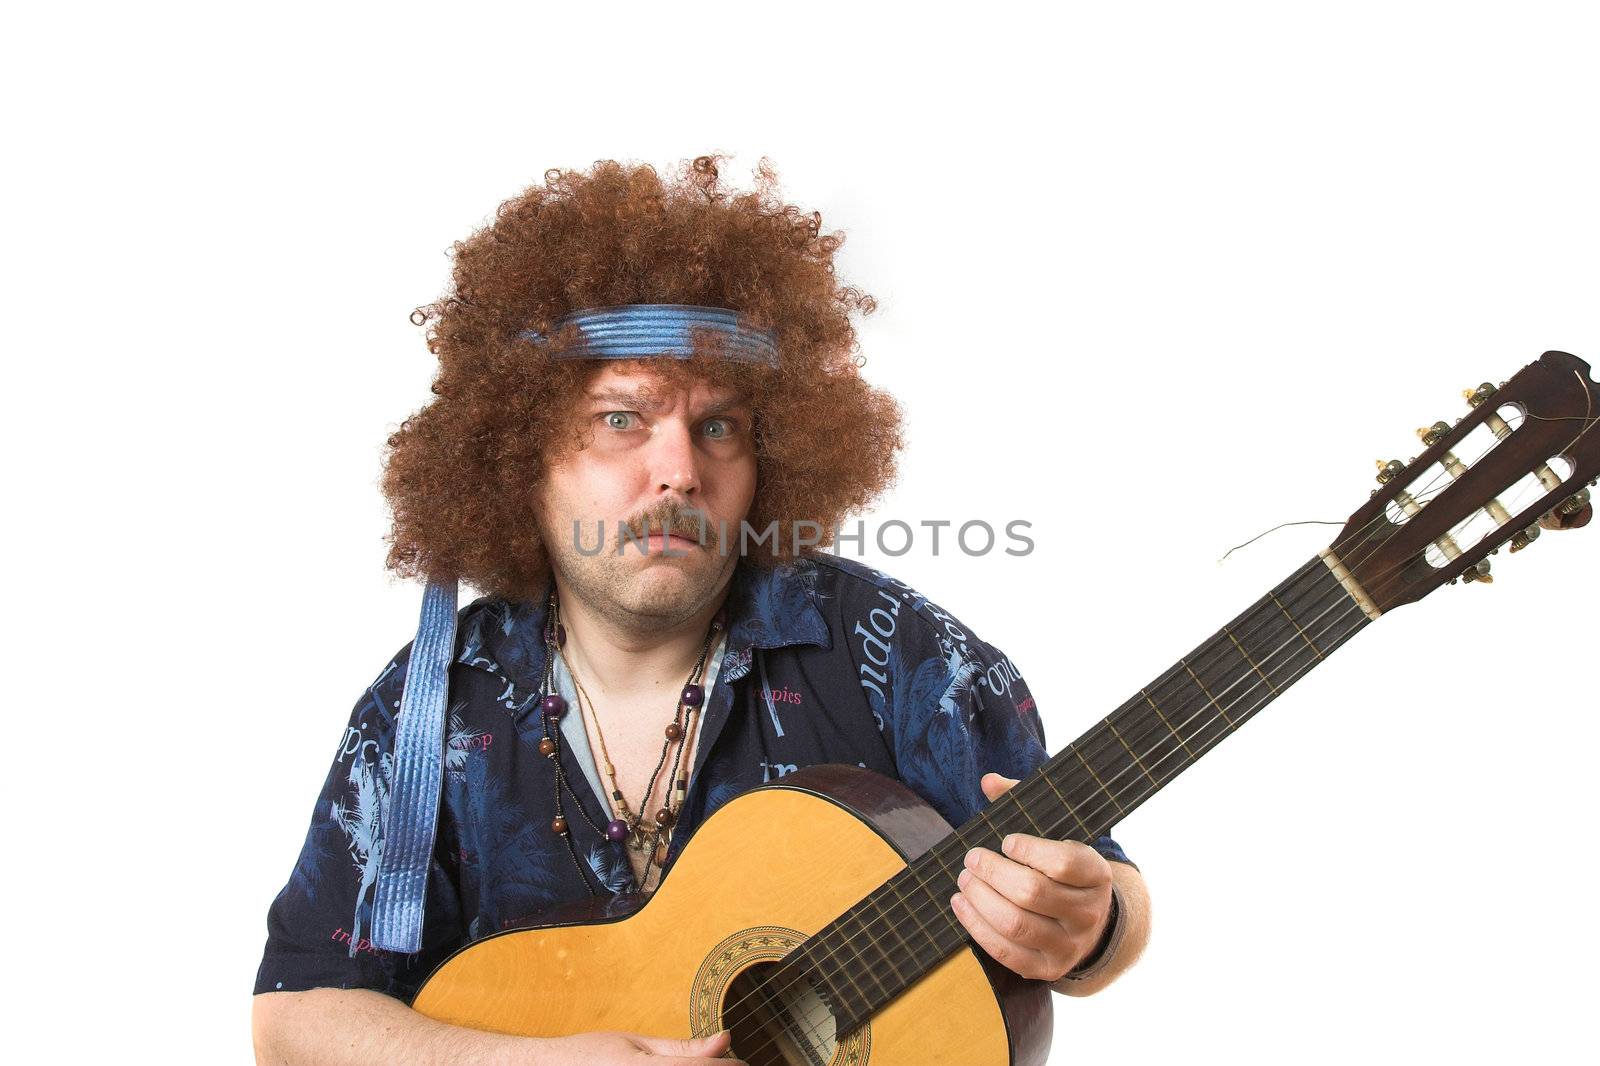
x=867, y=964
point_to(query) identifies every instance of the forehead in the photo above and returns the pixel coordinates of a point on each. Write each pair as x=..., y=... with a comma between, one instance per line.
x=613, y=381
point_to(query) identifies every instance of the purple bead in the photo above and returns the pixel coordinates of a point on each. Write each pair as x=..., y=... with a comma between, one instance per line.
x=553, y=706
x=617, y=829
x=693, y=695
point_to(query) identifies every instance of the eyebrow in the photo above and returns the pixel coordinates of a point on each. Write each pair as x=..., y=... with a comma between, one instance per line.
x=639, y=402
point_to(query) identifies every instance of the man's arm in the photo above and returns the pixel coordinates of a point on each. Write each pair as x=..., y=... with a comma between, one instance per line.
x=350, y=1026
x=360, y=1027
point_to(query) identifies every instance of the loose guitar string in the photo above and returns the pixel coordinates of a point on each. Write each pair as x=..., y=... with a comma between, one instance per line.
x=1112, y=797
x=1171, y=674
x=844, y=947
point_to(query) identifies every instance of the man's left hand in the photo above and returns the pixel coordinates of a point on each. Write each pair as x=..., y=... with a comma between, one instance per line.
x=1037, y=906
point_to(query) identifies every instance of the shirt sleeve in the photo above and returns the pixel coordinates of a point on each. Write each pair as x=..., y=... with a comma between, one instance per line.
x=319, y=925
x=955, y=708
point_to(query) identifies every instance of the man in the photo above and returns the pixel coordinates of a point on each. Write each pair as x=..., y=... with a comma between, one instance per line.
x=635, y=378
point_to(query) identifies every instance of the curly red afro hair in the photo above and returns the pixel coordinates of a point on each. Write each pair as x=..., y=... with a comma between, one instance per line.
x=461, y=474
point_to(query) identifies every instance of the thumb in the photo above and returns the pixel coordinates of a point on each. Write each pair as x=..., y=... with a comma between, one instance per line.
x=996, y=785
x=705, y=1047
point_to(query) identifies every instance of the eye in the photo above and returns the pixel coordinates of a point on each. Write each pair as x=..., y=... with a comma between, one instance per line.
x=620, y=419
x=720, y=428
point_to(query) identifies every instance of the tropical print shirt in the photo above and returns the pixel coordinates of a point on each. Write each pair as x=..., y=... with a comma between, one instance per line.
x=826, y=661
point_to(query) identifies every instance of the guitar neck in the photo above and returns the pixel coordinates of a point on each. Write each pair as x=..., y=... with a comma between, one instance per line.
x=905, y=928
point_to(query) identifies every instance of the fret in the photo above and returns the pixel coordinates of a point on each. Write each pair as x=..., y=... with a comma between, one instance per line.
x=1044, y=772
x=1187, y=705
x=1074, y=749
x=1016, y=802
x=996, y=821
x=881, y=919
x=1131, y=753
x=849, y=956
x=1285, y=611
x=1253, y=664
x=1164, y=721
x=1207, y=691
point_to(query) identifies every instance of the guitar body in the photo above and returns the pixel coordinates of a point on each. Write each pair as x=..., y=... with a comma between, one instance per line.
x=768, y=869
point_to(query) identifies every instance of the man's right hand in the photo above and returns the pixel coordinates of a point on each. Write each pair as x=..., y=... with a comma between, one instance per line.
x=632, y=1049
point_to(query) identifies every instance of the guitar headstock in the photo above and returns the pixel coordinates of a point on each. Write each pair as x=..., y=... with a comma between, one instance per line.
x=1521, y=462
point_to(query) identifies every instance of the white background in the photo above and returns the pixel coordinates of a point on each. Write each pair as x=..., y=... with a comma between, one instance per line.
x=1153, y=277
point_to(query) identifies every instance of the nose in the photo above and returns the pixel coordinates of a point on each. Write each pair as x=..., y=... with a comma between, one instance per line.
x=675, y=464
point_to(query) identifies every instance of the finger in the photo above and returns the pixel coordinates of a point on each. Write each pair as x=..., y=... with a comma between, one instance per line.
x=684, y=1052
x=1030, y=889
x=996, y=785
x=1066, y=862
x=1014, y=957
x=1022, y=927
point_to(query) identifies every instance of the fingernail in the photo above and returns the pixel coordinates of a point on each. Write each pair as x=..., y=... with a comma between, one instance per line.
x=971, y=861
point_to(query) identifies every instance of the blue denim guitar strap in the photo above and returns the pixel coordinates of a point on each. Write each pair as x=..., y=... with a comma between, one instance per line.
x=411, y=817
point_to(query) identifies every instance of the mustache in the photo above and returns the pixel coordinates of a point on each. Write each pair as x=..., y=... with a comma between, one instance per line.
x=686, y=522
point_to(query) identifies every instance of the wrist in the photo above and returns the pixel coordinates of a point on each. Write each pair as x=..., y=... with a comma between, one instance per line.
x=1110, y=939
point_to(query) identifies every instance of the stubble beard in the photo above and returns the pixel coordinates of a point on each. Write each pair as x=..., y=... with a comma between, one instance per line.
x=637, y=596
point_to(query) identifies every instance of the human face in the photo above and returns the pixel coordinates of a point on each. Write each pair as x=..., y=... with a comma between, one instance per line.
x=653, y=455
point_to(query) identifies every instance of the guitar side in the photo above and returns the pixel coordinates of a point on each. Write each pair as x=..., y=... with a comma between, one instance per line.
x=774, y=864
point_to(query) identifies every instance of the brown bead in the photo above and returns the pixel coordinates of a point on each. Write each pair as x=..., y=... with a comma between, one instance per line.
x=547, y=747
x=665, y=818
x=674, y=730
x=661, y=854
x=559, y=825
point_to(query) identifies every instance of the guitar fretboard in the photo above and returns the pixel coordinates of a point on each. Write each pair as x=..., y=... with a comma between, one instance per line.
x=902, y=930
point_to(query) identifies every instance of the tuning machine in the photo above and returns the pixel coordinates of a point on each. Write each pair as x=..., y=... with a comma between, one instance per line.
x=1525, y=538
x=1433, y=434
x=1478, y=572
x=1388, y=471
x=1572, y=513
x=1476, y=397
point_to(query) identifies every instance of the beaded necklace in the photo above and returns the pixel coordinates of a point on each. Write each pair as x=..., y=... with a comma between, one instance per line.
x=631, y=826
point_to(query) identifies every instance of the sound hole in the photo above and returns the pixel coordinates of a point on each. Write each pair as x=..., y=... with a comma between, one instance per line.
x=778, y=1020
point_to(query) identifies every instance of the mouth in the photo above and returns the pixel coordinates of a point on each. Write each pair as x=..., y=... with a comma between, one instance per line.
x=676, y=542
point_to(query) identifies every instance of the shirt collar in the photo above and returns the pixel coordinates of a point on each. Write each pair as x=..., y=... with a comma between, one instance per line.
x=767, y=607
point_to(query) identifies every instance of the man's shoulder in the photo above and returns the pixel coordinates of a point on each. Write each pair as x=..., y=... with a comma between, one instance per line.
x=495, y=638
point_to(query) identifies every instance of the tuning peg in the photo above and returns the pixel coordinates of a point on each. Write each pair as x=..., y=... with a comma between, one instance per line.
x=1388, y=470
x=1433, y=434
x=1476, y=396
x=1479, y=572
x=1572, y=513
x=1525, y=538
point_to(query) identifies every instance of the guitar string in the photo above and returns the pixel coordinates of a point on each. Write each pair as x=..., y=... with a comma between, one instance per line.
x=1310, y=570
x=835, y=953
x=938, y=900
x=1199, y=703
x=1112, y=797
x=1017, y=791
x=940, y=905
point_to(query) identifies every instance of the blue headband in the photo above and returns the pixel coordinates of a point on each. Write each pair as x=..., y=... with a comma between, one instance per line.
x=411, y=820
x=639, y=331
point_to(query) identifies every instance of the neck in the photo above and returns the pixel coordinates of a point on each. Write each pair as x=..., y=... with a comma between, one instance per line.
x=626, y=660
